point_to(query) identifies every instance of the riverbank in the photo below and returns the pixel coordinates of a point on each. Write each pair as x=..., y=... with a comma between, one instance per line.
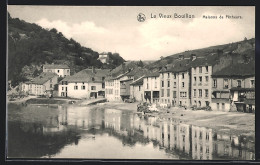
x=119, y=106
x=235, y=123
x=43, y=101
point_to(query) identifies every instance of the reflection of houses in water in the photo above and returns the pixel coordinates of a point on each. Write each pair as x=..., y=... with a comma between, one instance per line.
x=201, y=143
x=53, y=126
x=184, y=139
x=113, y=119
x=80, y=117
x=233, y=147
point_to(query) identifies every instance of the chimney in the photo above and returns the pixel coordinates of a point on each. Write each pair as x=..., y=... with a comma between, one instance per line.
x=93, y=69
x=193, y=57
x=181, y=57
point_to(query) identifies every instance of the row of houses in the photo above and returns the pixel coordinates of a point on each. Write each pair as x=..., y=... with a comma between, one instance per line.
x=219, y=80
x=216, y=80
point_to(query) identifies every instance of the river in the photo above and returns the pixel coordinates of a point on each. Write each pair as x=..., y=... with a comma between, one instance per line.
x=95, y=132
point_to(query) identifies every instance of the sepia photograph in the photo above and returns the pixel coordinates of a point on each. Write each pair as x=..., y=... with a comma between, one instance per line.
x=130, y=82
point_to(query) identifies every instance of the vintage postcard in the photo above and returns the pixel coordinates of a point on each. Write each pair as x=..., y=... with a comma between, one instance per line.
x=131, y=82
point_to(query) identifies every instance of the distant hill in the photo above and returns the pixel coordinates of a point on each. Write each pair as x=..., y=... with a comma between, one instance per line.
x=245, y=47
x=30, y=46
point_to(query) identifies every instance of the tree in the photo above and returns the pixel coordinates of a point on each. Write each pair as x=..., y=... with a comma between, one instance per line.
x=140, y=64
x=53, y=30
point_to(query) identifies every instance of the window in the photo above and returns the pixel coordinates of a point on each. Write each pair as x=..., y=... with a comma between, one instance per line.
x=195, y=79
x=103, y=85
x=75, y=87
x=183, y=84
x=162, y=93
x=174, y=94
x=182, y=75
x=58, y=71
x=207, y=78
x=50, y=80
x=200, y=79
x=83, y=87
x=206, y=93
x=168, y=75
x=103, y=78
x=174, y=85
x=238, y=83
x=217, y=105
x=93, y=79
x=62, y=88
x=225, y=83
x=174, y=75
x=147, y=86
x=194, y=92
x=252, y=83
x=68, y=71
x=223, y=106
x=93, y=87
x=168, y=83
x=200, y=92
x=162, y=75
x=207, y=69
x=168, y=92
x=215, y=83
x=155, y=85
x=200, y=69
x=139, y=88
x=50, y=85
x=162, y=83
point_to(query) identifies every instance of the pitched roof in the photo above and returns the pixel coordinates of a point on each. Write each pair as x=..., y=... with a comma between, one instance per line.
x=122, y=68
x=138, y=72
x=238, y=70
x=86, y=75
x=56, y=66
x=138, y=81
x=210, y=59
x=177, y=66
x=42, y=78
x=152, y=74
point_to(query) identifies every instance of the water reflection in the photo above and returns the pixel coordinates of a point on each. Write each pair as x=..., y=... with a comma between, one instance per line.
x=82, y=131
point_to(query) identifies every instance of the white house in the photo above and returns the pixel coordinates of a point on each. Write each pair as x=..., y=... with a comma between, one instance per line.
x=40, y=85
x=88, y=83
x=103, y=57
x=151, y=87
x=60, y=69
x=136, y=89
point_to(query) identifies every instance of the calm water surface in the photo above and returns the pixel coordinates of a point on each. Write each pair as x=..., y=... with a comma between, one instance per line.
x=91, y=132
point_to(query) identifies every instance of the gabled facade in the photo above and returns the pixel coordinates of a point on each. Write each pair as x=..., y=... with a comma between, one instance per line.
x=88, y=83
x=60, y=70
x=41, y=85
x=136, y=89
x=234, y=88
x=151, y=88
x=201, y=85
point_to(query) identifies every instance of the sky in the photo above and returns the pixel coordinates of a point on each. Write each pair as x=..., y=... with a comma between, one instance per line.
x=116, y=28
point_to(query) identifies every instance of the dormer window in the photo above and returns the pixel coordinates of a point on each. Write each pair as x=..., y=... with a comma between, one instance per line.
x=93, y=79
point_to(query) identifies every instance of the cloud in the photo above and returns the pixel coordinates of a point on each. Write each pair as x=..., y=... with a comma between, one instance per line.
x=154, y=37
